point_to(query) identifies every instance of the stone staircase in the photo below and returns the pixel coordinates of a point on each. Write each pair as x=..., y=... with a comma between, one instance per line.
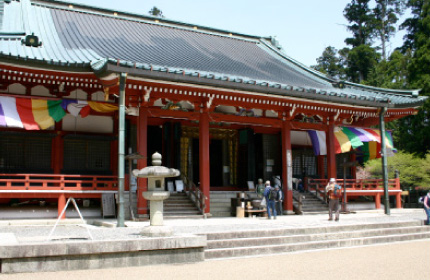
x=277, y=241
x=311, y=204
x=220, y=202
x=179, y=206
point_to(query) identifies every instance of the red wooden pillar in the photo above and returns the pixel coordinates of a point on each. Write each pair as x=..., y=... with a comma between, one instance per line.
x=142, y=149
x=204, y=157
x=378, y=201
x=61, y=205
x=321, y=170
x=399, y=200
x=287, y=166
x=331, y=151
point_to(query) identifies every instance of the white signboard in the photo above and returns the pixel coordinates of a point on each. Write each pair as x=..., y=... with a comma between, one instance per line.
x=108, y=204
x=170, y=187
x=179, y=185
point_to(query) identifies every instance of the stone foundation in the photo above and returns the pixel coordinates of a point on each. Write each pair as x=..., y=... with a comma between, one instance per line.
x=101, y=254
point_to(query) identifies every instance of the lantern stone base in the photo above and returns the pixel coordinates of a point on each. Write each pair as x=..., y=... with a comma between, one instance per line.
x=156, y=206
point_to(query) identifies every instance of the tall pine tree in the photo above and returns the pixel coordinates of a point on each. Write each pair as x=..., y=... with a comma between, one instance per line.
x=385, y=17
x=414, y=131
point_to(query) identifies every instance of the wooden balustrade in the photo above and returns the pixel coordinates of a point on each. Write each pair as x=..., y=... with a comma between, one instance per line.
x=359, y=187
x=195, y=194
x=57, y=186
x=57, y=182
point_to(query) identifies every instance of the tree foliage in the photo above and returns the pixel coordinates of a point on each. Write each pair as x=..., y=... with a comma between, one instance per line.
x=361, y=62
x=413, y=171
x=330, y=63
x=156, y=12
x=414, y=131
x=385, y=16
x=359, y=15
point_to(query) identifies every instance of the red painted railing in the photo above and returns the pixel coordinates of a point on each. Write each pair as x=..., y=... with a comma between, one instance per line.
x=359, y=187
x=57, y=182
x=356, y=184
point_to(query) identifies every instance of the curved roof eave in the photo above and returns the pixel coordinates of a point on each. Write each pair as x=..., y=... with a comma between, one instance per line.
x=412, y=92
x=181, y=76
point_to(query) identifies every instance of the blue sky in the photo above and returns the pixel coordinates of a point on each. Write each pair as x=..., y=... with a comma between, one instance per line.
x=304, y=28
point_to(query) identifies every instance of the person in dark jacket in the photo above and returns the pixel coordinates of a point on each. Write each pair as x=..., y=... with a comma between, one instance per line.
x=271, y=195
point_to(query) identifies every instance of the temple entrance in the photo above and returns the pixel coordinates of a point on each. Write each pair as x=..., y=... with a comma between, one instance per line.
x=216, y=162
x=222, y=152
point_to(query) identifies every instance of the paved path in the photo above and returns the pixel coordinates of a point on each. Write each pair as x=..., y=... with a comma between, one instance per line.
x=398, y=261
x=30, y=231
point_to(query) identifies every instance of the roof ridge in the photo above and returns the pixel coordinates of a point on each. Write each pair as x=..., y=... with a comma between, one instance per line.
x=71, y=6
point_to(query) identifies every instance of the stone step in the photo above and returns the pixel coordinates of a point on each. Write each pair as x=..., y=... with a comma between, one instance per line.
x=180, y=209
x=261, y=242
x=177, y=198
x=220, y=213
x=316, y=245
x=311, y=208
x=220, y=208
x=182, y=213
x=273, y=240
x=308, y=230
x=178, y=202
x=180, y=217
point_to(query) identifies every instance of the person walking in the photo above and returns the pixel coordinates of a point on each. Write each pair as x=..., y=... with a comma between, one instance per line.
x=279, y=207
x=333, y=191
x=271, y=196
x=427, y=207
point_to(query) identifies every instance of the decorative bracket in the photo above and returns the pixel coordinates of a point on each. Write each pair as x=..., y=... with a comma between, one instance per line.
x=336, y=116
x=292, y=111
x=147, y=94
x=209, y=102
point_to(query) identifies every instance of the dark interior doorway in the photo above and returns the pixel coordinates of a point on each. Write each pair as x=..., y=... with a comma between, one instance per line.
x=215, y=154
x=155, y=141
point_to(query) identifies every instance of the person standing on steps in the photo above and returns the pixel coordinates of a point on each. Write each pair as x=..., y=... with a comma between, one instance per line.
x=280, y=197
x=333, y=191
x=260, y=188
x=271, y=195
x=427, y=207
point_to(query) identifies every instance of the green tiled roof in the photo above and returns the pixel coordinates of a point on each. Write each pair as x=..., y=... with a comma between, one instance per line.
x=76, y=37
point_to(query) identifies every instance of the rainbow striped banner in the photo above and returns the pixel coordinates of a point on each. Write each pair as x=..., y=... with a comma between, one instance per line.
x=366, y=140
x=36, y=114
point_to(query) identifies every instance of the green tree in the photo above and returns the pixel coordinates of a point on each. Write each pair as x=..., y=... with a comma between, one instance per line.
x=413, y=171
x=411, y=25
x=330, y=63
x=361, y=62
x=385, y=16
x=359, y=16
x=414, y=131
x=156, y=12
x=391, y=73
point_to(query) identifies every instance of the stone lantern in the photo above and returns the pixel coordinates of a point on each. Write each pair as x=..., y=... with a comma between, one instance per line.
x=156, y=194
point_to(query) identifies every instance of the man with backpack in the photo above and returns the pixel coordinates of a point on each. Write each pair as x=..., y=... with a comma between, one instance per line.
x=271, y=195
x=427, y=207
x=333, y=191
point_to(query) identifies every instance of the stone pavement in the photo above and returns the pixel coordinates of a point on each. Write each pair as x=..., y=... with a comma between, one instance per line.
x=36, y=231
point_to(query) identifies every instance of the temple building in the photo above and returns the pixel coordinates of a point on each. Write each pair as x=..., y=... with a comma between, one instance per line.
x=82, y=87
